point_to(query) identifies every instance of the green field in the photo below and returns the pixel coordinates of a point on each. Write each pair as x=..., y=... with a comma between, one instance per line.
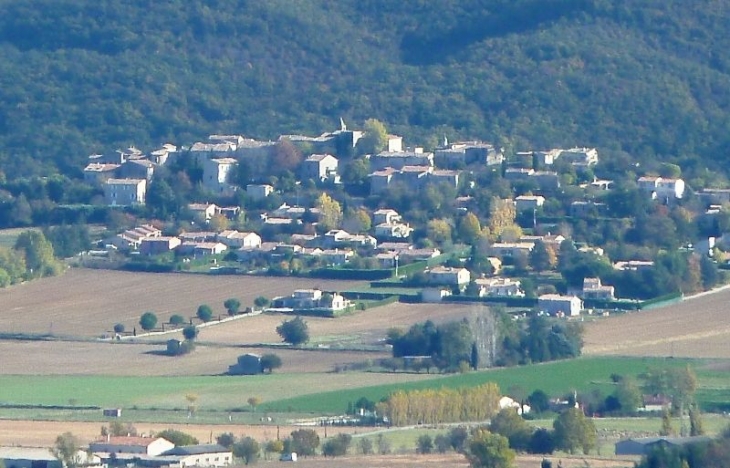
x=283, y=392
x=556, y=378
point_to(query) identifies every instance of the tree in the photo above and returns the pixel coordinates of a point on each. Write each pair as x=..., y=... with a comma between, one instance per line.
x=190, y=332
x=695, y=422
x=232, y=305
x=148, y=321
x=247, y=449
x=357, y=221
x=38, y=253
x=178, y=438
x=356, y=171
x=294, y=331
x=66, y=449
x=424, y=444
x=304, y=442
x=337, y=446
x=469, y=228
x=260, y=302
x=284, y=157
x=204, y=313
x=458, y=437
x=274, y=446
x=539, y=401
x=375, y=137
x=177, y=319
x=254, y=401
x=574, y=431
x=628, y=395
x=511, y=425
x=666, y=429
x=119, y=328
x=227, y=439
x=366, y=445
x=542, y=257
x=439, y=231
x=542, y=441
x=330, y=212
x=442, y=443
x=487, y=450
x=502, y=214
x=270, y=362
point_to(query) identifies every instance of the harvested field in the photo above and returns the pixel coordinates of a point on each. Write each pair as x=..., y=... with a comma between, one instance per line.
x=365, y=326
x=697, y=327
x=90, y=358
x=44, y=433
x=85, y=302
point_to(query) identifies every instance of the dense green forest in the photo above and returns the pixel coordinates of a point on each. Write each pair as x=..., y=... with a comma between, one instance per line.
x=648, y=77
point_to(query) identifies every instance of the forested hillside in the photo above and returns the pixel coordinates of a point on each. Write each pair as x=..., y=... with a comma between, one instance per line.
x=649, y=77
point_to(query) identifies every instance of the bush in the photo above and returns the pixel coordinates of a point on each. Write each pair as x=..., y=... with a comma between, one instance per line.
x=177, y=319
x=232, y=306
x=205, y=313
x=337, y=446
x=148, y=321
x=294, y=331
x=190, y=332
x=270, y=362
x=119, y=328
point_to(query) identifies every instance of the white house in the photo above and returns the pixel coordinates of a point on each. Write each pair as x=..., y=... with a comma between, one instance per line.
x=448, y=276
x=499, y=287
x=392, y=231
x=593, y=289
x=386, y=216
x=555, y=304
x=125, y=192
x=132, y=444
x=236, y=239
x=319, y=167
x=202, y=211
x=217, y=173
x=660, y=188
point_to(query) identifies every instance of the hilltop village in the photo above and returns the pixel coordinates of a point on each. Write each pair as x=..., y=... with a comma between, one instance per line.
x=557, y=229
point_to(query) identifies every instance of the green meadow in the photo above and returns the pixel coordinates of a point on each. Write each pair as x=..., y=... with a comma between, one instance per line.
x=327, y=393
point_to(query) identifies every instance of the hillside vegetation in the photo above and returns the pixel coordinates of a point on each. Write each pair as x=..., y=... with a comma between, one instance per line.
x=648, y=77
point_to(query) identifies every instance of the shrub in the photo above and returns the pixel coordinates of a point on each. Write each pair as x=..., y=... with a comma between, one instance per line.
x=205, y=313
x=177, y=319
x=119, y=328
x=148, y=321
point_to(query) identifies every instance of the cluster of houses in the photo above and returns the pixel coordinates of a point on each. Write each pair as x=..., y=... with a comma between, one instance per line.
x=123, y=450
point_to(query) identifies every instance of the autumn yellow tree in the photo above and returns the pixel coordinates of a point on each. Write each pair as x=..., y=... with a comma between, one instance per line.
x=469, y=228
x=438, y=230
x=502, y=214
x=330, y=212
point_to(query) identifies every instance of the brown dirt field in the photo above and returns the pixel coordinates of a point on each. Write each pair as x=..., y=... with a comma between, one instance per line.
x=366, y=326
x=450, y=460
x=88, y=358
x=696, y=327
x=85, y=302
x=44, y=433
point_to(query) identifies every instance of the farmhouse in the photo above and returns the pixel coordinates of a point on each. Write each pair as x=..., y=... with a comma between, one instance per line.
x=593, y=289
x=499, y=287
x=129, y=444
x=236, y=240
x=158, y=245
x=312, y=299
x=448, y=276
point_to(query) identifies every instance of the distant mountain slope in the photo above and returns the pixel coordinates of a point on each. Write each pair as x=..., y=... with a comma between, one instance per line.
x=651, y=77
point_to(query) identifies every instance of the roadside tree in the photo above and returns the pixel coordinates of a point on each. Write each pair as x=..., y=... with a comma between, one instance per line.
x=573, y=431
x=487, y=450
x=247, y=449
x=232, y=305
x=205, y=313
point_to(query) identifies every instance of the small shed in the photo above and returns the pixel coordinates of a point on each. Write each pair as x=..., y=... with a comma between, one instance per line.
x=248, y=364
x=112, y=412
